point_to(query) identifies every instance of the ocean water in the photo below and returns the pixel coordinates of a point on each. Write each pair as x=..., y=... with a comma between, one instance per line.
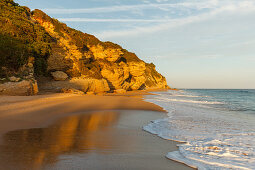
x=216, y=126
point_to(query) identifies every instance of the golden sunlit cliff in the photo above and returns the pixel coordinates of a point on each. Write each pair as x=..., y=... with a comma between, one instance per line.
x=73, y=60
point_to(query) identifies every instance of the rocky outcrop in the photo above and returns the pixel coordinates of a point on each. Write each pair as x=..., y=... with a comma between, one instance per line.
x=22, y=85
x=22, y=88
x=109, y=54
x=77, y=60
x=94, y=59
x=90, y=85
x=81, y=84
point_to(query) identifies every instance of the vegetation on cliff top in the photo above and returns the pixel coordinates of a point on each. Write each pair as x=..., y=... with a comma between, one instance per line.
x=22, y=37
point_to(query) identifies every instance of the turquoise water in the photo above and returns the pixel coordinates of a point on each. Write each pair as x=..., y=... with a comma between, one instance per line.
x=217, y=126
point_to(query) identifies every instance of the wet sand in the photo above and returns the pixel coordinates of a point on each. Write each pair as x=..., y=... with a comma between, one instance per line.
x=63, y=131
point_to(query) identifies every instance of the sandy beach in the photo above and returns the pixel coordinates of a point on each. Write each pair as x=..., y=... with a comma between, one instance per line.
x=66, y=131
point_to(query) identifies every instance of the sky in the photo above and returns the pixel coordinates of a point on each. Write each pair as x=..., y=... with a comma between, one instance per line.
x=193, y=43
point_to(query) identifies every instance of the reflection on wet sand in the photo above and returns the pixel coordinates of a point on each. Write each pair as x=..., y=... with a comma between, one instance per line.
x=34, y=148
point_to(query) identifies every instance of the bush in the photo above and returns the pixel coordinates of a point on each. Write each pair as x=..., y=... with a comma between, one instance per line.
x=21, y=38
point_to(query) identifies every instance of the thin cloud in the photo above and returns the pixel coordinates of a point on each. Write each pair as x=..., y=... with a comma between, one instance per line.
x=170, y=24
x=111, y=20
x=165, y=6
x=243, y=7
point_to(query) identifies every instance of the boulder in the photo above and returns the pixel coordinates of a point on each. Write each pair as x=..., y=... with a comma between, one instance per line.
x=22, y=88
x=91, y=85
x=59, y=75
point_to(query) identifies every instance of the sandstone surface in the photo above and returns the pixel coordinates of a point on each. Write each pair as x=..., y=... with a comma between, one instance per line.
x=22, y=88
x=73, y=59
x=59, y=75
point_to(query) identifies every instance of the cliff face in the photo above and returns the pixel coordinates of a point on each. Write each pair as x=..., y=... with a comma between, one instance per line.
x=91, y=65
x=84, y=56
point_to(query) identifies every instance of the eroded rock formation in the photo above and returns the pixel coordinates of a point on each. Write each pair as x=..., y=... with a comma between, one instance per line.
x=77, y=60
x=95, y=60
x=22, y=88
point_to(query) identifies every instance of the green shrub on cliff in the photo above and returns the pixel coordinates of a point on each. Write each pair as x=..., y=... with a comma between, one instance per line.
x=20, y=38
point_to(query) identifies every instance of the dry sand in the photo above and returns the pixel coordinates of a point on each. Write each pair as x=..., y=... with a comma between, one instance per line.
x=114, y=135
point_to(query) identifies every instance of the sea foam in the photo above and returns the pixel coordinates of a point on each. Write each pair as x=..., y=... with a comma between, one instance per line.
x=214, y=139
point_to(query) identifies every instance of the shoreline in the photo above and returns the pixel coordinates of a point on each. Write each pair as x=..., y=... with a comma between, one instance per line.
x=18, y=112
